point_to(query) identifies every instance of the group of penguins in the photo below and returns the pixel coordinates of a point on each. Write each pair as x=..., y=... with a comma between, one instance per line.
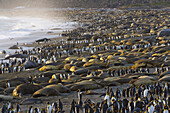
x=134, y=99
x=120, y=72
x=68, y=48
x=14, y=65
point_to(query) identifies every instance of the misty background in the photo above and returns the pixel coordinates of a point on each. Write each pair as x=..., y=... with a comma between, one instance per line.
x=81, y=3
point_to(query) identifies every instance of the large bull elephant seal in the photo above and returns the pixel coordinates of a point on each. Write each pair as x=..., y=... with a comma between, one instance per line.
x=13, y=82
x=85, y=85
x=30, y=64
x=46, y=92
x=59, y=87
x=25, y=89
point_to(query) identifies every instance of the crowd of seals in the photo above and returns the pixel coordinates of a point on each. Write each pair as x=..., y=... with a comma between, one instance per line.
x=110, y=48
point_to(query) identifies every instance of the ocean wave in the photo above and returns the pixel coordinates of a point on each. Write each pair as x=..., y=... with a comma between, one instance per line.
x=17, y=27
x=20, y=7
x=3, y=37
x=4, y=18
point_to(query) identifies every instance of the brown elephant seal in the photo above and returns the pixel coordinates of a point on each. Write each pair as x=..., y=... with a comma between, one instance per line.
x=143, y=80
x=41, y=80
x=71, y=58
x=31, y=101
x=121, y=80
x=49, y=68
x=165, y=78
x=74, y=77
x=50, y=73
x=6, y=97
x=67, y=67
x=14, y=47
x=54, y=81
x=79, y=63
x=164, y=73
x=25, y=89
x=13, y=82
x=30, y=64
x=107, y=83
x=81, y=71
x=60, y=88
x=91, y=92
x=103, y=75
x=164, y=32
x=85, y=85
x=46, y=92
x=162, y=50
x=73, y=68
x=133, y=74
x=9, y=90
x=94, y=68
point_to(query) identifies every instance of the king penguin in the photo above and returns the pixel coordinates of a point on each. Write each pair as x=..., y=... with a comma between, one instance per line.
x=49, y=108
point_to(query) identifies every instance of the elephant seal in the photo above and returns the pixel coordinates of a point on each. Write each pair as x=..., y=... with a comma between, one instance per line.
x=85, y=85
x=48, y=68
x=164, y=32
x=164, y=74
x=81, y=71
x=54, y=81
x=103, y=75
x=6, y=97
x=121, y=80
x=9, y=90
x=165, y=78
x=91, y=92
x=29, y=64
x=41, y=80
x=46, y=92
x=59, y=87
x=25, y=89
x=13, y=82
x=144, y=80
x=31, y=101
x=50, y=73
x=67, y=67
x=14, y=47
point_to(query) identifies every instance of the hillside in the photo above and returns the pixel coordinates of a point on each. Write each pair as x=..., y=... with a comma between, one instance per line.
x=84, y=3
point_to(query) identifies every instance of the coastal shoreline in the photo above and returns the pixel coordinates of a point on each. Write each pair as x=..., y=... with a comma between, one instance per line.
x=28, y=41
x=112, y=50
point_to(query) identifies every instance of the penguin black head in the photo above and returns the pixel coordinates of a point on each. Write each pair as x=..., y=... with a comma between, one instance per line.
x=48, y=103
x=88, y=100
x=30, y=107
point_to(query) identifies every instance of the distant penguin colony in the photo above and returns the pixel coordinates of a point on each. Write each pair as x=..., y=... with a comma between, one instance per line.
x=117, y=61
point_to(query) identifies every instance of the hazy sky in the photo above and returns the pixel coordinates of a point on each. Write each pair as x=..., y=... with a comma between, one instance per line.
x=26, y=3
